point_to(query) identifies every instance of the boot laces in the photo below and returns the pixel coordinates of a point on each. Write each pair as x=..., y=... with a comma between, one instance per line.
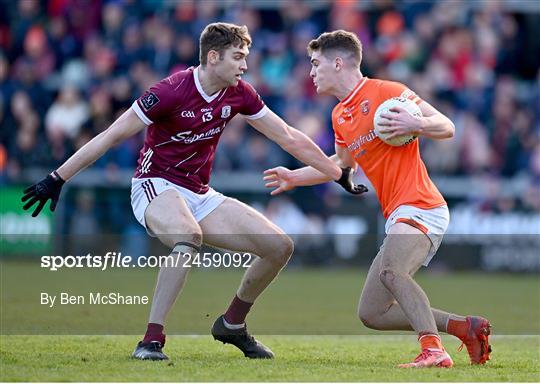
x=422, y=356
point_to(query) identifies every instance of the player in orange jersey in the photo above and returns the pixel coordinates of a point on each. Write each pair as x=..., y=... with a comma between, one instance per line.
x=417, y=214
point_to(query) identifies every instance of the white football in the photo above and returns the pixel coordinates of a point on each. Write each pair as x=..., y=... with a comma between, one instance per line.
x=409, y=105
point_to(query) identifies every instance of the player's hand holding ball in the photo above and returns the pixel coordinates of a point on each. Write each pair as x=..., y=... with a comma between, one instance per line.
x=397, y=121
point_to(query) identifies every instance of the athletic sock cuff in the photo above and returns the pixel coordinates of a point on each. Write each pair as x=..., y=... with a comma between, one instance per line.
x=181, y=244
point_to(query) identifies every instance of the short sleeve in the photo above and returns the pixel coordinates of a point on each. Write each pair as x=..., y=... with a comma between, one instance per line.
x=391, y=89
x=339, y=139
x=156, y=103
x=253, y=106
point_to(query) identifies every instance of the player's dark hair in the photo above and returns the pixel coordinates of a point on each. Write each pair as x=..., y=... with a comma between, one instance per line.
x=339, y=41
x=220, y=36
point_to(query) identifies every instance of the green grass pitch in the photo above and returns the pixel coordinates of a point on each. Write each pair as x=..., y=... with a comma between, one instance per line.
x=307, y=317
x=299, y=358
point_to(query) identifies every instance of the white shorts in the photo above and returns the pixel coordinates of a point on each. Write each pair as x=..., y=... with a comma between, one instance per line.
x=433, y=222
x=143, y=191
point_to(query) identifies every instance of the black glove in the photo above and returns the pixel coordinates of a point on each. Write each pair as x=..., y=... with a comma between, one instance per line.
x=347, y=183
x=48, y=188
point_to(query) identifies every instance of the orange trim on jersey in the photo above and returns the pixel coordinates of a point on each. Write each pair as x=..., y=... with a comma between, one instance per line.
x=413, y=223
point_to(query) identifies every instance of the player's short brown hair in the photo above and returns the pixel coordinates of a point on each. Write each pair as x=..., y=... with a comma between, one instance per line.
x=220, y=36
x=339, y=41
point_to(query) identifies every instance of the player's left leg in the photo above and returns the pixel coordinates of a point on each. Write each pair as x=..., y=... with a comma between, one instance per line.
x=405, y=250
x=237, y=227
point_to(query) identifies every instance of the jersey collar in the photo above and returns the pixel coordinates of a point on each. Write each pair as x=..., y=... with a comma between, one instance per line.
x=199, y=87
x=347, y=100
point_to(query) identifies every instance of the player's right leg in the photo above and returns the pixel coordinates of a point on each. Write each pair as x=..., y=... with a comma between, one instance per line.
x=236, y=226
x=170, y=219
x=378, y=309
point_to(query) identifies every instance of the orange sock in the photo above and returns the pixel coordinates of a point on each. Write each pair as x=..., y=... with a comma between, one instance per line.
x=457, y=326
x=430, y=340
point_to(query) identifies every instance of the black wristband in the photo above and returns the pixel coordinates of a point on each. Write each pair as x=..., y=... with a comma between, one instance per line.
x=344, y=175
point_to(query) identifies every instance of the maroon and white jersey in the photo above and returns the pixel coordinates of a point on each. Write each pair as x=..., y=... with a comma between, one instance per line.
x=185, y=124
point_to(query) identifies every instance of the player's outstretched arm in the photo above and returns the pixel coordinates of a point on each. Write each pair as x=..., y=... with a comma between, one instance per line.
x=296, y=143
x=433, y=124
x=282, y=179
x=49, y=188
x=305, y=150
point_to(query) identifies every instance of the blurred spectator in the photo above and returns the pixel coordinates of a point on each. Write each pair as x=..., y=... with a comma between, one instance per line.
x=63, y=44
x=276, y=66
x=132, y=48
x=261, y=154
x=228, y=157
x=476, y=62
x=186, y=53
x=37, y=54
x=84, y=222
x=84, y=228
x=101, y=109
x=162, y=56
x=476, y=154
x=27, y=150
x=67, y=113
x=7, y=88
x=112, y=24
x=28, y=13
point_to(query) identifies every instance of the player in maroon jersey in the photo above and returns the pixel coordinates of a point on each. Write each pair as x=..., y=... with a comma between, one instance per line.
x=186, y=114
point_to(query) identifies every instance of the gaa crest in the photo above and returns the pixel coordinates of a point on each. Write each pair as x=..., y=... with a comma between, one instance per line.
x=225, y=111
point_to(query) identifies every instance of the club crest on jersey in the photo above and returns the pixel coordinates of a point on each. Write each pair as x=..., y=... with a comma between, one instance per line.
x=225, y=111
x=364, y=107
x=347, y=114
x=149, y=100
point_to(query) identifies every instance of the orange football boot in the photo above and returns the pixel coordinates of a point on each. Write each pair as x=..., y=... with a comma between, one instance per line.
x=477, y=339
x=437, y=358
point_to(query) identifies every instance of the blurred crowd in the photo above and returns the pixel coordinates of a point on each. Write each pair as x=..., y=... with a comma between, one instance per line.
x=68, y=68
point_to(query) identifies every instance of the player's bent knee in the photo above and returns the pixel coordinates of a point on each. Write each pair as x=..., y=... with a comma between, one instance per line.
x=368, y=322
x=287, y=249
x=387, y=276
x=368, y=318
x=282, y=250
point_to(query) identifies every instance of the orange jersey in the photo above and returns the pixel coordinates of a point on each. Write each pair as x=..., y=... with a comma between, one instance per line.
x=398, y=174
